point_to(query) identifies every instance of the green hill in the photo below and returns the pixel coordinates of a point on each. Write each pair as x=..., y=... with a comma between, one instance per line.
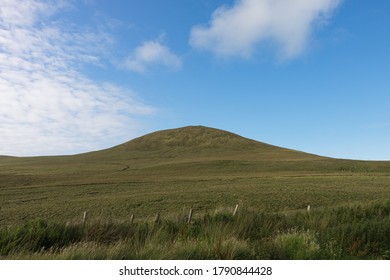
x=189, y=151
x=169, y=170
x=202, y=151
x=195, y=142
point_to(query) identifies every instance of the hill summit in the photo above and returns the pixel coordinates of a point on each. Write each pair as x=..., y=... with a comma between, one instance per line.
x=194, y=142
x=192, y=137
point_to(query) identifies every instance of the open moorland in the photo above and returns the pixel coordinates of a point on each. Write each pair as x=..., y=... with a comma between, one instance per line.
x=208, y=171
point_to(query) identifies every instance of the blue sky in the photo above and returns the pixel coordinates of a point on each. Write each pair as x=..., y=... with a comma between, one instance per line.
x=309, y=75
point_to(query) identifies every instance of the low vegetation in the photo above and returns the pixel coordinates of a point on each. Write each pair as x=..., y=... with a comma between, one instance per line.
x=353, y=232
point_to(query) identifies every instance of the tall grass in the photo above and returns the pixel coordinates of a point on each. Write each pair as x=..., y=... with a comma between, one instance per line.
x=349, y=232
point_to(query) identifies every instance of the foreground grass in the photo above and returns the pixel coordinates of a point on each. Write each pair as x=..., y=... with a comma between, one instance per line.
x=353, y=232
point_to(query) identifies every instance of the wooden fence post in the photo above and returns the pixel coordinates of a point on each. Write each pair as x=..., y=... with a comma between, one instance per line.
x=131, y=218
x=308, y=209
x=235, y=210
x=189, y=217
x=85, y=215
x=157, y=219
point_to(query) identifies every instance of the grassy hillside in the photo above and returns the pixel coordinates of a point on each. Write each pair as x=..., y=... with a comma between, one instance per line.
x=171, y=171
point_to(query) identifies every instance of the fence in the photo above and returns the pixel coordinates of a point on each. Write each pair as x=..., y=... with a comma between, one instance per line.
x=189, y=216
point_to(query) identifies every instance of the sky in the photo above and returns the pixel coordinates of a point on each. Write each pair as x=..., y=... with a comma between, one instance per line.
x=310, y=75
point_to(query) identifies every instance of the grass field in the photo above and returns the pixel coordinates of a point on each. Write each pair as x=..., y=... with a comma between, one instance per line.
x=210, y=171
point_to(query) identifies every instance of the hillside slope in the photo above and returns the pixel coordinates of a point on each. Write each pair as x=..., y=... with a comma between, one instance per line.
x=182, y=152
x=194, y=142
x=167, y=170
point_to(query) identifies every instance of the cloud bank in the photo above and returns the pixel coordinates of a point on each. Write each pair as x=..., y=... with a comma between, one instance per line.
x=149, y=54
x=238, y=30
x=47, y=106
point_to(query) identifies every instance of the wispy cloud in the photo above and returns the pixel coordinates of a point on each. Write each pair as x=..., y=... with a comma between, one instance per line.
x=26, y=13
x=47, y=106
x=238, y=30
x=149, y=54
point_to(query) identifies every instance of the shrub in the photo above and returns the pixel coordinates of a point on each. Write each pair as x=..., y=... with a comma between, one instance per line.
x=296, y=245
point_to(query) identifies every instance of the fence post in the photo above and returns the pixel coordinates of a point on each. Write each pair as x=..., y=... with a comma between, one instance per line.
x=189, y=216
x=235, y=210
x=85, y=215
x=131, y=218
x=157, y=219
x=308, y=209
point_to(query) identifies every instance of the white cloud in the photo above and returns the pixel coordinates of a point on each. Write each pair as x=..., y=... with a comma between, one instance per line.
x=47, y=106
x=25, y=13
x=151, y=53
x=238, y=30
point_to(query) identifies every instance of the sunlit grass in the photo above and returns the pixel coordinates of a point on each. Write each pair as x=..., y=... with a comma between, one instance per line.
x=354, y=232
